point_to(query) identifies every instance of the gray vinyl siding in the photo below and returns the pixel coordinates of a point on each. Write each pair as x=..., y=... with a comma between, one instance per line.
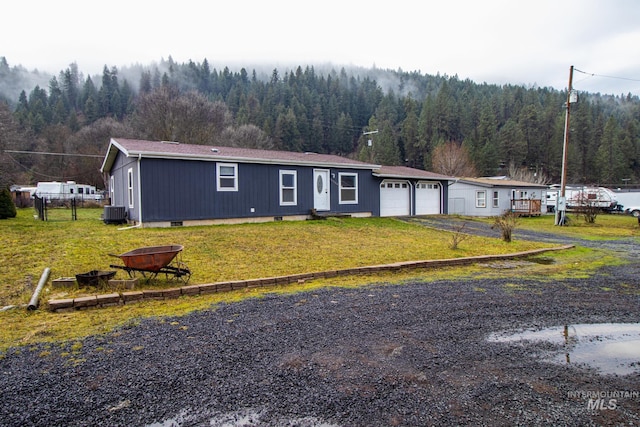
x=368, y=193
x=182, y=190
x=462, y=198
x=119, y=171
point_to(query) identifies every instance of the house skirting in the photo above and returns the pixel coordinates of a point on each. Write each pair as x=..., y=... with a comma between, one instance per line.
x=257, y=219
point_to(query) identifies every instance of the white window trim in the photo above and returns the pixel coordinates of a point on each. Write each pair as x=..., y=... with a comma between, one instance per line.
x=481, y=202
x=112, y=194
x=235, y=176
x=294, y=188
x=340, y=188
x=130, y=194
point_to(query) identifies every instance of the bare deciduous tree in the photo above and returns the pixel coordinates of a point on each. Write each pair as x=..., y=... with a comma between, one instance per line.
x=452, y=159
x=247, y=136
x=527, y=175
x=94, y=140
x=9, y=140
x=167, y=115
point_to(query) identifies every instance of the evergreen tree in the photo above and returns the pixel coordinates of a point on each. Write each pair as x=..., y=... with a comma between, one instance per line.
x=286, y=133
x=7, y=207
x=22, y=110
x=39, y=113
x=55, y=104
x=410, y=141
x=70, y=79
x=444, y=114
x=301, y=108
x=126, y=99
x=385, y=143
x=145, y=82
x=88, y=91
x=344, y=135
x=425, y=131
x=512, y=144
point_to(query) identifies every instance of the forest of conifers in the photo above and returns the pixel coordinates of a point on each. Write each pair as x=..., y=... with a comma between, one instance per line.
x=406, y=116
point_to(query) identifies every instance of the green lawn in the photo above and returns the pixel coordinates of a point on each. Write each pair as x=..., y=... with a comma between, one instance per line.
x=232, y=252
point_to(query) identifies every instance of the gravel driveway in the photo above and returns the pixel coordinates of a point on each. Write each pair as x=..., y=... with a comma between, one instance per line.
x=386, y=355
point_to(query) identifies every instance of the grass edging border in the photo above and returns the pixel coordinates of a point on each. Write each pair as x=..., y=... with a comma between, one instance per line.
x=123, y=298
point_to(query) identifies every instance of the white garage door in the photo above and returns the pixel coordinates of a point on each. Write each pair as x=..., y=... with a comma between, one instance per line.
x=427, y=198
x=395, y=198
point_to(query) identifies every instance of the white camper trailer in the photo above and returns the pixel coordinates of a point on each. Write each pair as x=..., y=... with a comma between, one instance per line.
x=581, y=196
x=55, y=190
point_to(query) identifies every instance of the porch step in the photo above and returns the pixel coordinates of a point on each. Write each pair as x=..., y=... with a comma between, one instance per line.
x=324, y=215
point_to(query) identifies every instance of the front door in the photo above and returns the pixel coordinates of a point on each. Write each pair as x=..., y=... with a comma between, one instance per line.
x=321, y=196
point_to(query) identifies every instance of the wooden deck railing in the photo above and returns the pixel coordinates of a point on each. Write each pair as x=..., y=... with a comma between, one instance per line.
x=526, y=206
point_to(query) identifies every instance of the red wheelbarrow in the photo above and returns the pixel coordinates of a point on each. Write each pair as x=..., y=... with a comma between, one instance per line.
x=153, y=260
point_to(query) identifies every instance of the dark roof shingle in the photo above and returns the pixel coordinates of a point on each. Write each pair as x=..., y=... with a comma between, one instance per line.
x=174, y=150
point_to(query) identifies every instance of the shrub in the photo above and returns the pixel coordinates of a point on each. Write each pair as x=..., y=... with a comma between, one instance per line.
x=7, y=207
x=588, y=211
x=458, y=235
x=506, y=223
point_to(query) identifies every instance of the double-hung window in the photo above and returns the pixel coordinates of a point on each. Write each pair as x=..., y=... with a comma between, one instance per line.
x=348, y=188
x=112, y=191
x=227, y=176
x=130, y=187
x=288, y=188
x=481, y=199
x=496, y=199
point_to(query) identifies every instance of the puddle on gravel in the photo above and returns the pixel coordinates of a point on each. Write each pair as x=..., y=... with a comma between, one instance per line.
x=612, y=348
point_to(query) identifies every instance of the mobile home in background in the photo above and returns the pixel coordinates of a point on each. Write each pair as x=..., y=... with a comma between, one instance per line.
x=54, y=190
x=581, y=196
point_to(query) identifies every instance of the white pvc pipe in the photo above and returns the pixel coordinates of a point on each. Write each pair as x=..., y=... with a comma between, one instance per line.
x=34, y=301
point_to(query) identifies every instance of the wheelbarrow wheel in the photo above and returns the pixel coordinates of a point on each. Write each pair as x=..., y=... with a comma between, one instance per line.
x=182, y=272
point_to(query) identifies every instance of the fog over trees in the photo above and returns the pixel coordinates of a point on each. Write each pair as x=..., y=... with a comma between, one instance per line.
x=422, y=121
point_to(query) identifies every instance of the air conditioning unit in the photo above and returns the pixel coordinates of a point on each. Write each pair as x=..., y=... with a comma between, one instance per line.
x=114, y=215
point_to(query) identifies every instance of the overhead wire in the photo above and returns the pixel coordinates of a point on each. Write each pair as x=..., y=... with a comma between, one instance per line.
x=591, y=75
x=605, y=76
x=54, y=177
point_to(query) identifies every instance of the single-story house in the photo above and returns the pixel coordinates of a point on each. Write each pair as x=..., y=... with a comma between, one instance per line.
x=406, y=191
x=493, y=196
x=161, y=183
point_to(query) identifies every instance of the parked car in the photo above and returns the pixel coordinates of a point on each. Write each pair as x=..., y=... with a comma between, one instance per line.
x=633, y=210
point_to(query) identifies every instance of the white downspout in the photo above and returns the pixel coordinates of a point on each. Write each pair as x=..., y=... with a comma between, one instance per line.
x=139, y=190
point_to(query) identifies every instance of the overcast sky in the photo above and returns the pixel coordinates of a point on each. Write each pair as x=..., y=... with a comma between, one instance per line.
x=495, y=41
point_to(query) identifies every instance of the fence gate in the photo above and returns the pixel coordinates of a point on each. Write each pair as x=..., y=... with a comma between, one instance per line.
x=40, y=204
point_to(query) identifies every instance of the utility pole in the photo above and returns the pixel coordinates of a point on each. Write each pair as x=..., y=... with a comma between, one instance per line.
x=561, y=203
x=370, y=143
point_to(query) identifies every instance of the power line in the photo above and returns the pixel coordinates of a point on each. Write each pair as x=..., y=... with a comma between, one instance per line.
x=55, y=177
x=53, y=154
x=608, y=77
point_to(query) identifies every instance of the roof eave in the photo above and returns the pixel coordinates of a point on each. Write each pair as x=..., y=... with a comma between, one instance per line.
x=255, y=160
x=399, y=176
x=499, y=184
x=110, y=157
